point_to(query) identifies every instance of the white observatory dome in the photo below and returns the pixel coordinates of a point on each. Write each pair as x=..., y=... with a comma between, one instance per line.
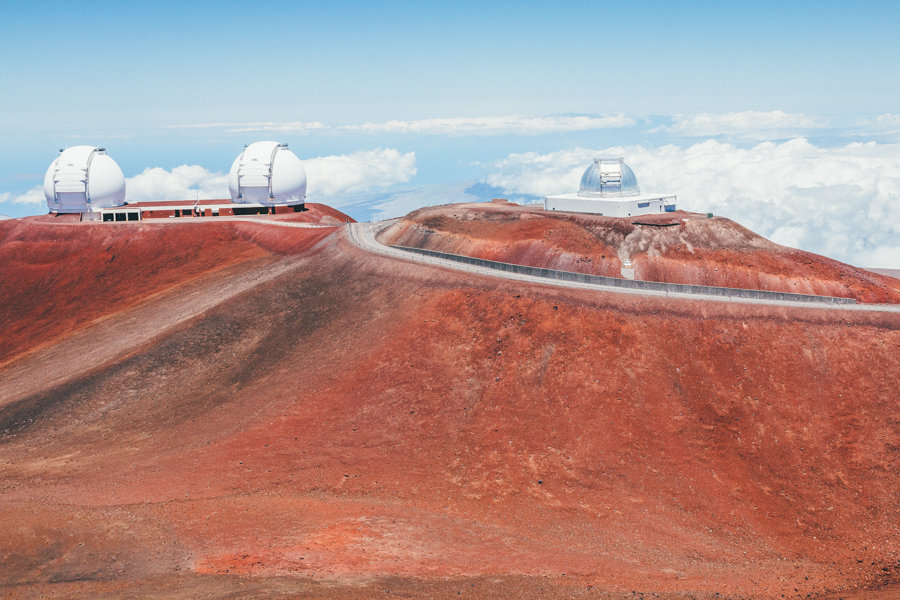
x=82, y=179
x=609, y=177
x=267, y=173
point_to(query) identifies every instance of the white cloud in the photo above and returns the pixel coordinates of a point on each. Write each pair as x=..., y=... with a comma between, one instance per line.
x=888, y=121
x=289, y=127
x=841, y=202
x=154, y=183
x=885, y=126
x=751, y=125
x=327, y=175
x=508, y=125
x=181, y=183
x=93, y=137
x=283, y=127
x=358, y=172
x=541, y=174
x=4, y=217
x=34, y=196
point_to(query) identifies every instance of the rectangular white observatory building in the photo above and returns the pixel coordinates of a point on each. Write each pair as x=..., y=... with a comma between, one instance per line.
x=609, y=188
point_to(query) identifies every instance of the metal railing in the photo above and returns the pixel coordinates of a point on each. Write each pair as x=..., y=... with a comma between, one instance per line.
x=636, y=284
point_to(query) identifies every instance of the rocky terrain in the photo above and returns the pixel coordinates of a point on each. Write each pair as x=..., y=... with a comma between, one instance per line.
x=674, y=247
x=244, y=410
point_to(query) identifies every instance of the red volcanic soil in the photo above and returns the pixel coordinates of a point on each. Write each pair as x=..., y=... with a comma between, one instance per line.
x=315, y=213
x=58, y=275
x=357, y=426
x=675, y=247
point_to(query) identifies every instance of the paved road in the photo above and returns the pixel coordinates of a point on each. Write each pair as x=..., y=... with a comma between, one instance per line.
x=363, y=235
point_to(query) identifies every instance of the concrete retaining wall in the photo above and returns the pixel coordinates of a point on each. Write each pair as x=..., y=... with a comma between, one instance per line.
x=680, y=288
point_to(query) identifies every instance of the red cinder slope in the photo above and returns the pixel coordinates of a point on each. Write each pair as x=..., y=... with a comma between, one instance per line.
x=360, y=426
x=316, y=213
x=57, y=275
x=675, y=247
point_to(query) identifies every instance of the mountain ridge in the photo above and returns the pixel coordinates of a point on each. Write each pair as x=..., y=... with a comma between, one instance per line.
x=367, y=424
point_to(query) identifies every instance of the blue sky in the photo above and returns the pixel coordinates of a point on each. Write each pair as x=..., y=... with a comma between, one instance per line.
x=463, y=93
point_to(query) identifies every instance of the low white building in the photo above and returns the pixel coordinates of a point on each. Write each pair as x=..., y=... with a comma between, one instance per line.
x=609, y=188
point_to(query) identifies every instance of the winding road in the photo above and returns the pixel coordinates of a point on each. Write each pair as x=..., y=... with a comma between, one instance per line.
x=363, y=235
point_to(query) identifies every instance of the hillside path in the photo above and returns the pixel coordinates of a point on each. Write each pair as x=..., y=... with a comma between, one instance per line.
x=114, y=335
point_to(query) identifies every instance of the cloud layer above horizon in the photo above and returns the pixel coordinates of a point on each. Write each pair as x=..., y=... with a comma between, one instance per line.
x=841, y=202
x=810, y=181
x=742, y=126
x=453, y=126
x=750, y=125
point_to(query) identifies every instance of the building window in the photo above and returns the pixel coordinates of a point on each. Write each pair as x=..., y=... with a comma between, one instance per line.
x=643, y=204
